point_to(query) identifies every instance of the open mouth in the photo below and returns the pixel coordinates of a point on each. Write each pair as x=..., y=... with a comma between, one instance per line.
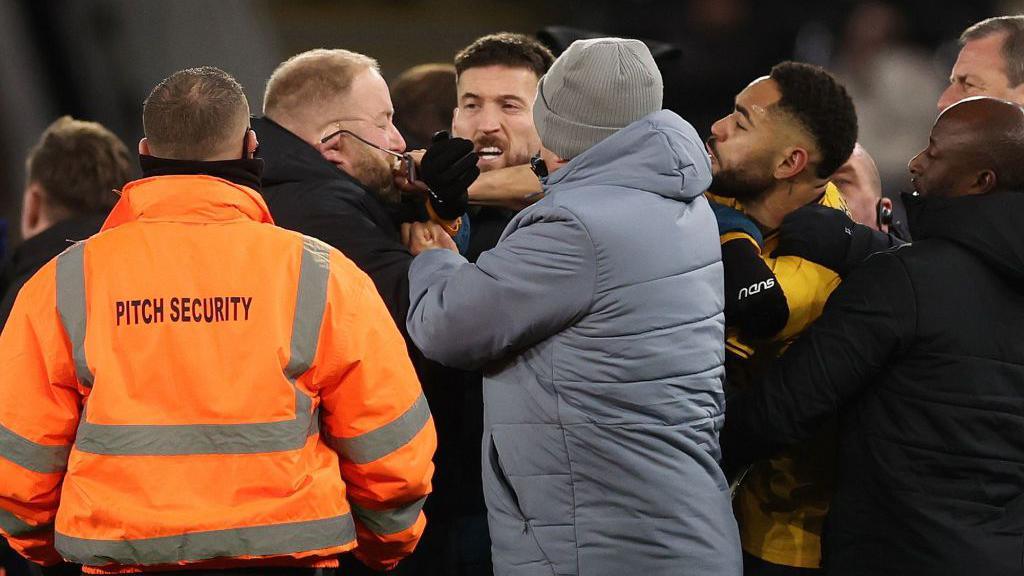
x=488, y=153
x=711, y=152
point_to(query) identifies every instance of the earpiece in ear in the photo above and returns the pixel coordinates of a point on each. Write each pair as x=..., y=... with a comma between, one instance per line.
x=883, y=214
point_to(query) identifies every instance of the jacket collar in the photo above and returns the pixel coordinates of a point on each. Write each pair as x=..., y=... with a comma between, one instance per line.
x=244, y=171
x=187, y=198
x=660, y=153
x=289, y=158
x=31, y=254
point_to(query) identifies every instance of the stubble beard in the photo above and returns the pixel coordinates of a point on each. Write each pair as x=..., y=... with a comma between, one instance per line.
x=374, y=172
x=738, y=185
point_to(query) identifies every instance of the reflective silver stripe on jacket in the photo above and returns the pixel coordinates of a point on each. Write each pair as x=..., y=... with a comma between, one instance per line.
x=15, y=526
x=310, y=303
x=390, y=521
x=71, y=305
x=271, y=540
x=35, y=457
x=192, y=439
x=250, y=438
x=382, y=441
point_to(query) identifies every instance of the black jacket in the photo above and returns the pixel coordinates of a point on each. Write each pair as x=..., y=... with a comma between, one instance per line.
x=487, y=223
x=308, y=194
x=31, y=254
x=921, y=352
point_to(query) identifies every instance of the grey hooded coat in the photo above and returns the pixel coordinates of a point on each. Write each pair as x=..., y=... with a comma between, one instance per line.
x=598, y=321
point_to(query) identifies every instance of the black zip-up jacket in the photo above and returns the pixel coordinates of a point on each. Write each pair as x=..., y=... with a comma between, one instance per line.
x=33, y=253
x=921, y=352
x=308, y=194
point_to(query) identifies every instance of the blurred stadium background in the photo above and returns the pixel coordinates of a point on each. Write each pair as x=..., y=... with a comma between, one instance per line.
x=97, y=59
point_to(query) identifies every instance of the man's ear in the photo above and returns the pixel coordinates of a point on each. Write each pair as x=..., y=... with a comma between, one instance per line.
x=144, y=147
x=885, y=208
x=551, y=160
x=985, y=182
x=1017, y=93
x=334, y=152
x=251, y=143
x=792, y=164
x=32, y=216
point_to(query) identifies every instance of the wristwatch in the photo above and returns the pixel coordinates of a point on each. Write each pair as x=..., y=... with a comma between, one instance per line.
x=538, y=166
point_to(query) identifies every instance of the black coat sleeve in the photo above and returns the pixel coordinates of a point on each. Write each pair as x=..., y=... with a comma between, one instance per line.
x=363, y=233
x=754, y=301
x=7, y=295
x=869, y=320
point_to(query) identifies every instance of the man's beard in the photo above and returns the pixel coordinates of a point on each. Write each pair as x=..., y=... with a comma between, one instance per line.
x=740, y=185
x=374, y=172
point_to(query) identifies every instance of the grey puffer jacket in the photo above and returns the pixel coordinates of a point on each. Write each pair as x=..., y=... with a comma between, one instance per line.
x=598, y=321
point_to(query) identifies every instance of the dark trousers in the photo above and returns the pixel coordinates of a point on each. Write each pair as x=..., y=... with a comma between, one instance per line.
x=754, y=566
x=11, y=562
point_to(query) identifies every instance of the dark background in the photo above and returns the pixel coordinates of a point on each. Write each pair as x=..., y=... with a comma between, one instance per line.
x=97, y=59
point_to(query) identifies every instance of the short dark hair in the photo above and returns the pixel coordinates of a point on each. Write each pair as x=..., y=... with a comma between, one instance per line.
x=821, y=105
x=1013, y=44
x=79, y=165
x=194, y=113
x=505, y=49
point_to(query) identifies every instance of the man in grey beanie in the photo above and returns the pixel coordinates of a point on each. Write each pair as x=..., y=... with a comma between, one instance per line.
x=598, y=321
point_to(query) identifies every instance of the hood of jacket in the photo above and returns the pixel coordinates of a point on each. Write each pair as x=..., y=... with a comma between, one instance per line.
x=661, y=153
x=988, y=225
x=187, y=198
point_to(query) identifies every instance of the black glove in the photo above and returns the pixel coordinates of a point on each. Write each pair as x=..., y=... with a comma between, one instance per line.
x=754, y=301
x=829, y=237
x=448, y=168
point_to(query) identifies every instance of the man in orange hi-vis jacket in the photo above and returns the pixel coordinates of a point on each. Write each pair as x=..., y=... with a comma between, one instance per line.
x=195, y=388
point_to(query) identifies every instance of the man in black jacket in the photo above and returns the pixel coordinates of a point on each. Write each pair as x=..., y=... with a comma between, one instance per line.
x=327, y=115
x=919, y=352
x=337, y=191
x=73, y=171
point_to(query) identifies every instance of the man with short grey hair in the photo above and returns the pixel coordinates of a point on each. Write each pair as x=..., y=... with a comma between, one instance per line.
x=990, y=63
x=598, y=319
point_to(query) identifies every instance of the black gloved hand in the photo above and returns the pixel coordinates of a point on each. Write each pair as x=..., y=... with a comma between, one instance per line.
x=448, y=168
x=829, y=237
x=754, y=301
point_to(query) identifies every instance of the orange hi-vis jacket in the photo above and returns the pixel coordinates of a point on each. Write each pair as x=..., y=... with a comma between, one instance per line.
x=195, y=386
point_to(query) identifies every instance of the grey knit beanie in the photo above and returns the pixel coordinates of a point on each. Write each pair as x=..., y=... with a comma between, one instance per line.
x=593, y=89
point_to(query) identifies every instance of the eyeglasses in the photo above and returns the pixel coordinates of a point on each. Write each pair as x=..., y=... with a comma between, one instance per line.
x=330, y=136
x=407, y=161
